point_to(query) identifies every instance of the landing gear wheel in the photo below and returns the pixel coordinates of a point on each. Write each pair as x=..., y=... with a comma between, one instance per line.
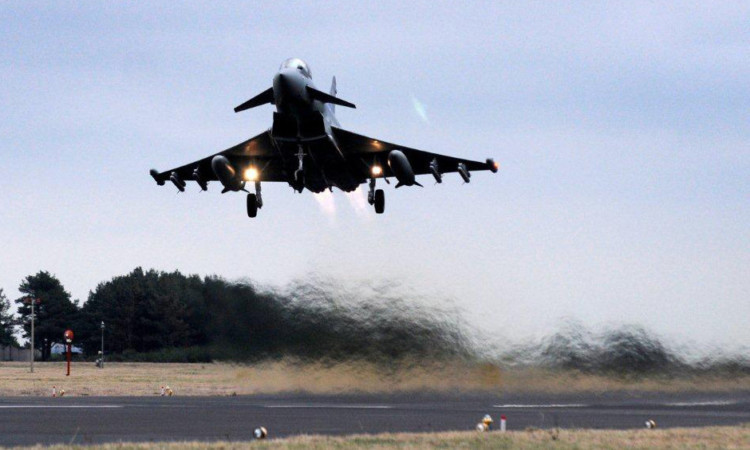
x=252, y=205
x=379, y=201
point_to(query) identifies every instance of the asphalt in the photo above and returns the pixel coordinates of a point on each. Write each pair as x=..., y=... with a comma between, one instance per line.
x=88, y=420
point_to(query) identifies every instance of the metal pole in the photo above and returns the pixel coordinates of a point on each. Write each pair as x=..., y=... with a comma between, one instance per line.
x=32, y=335
x=101, y=366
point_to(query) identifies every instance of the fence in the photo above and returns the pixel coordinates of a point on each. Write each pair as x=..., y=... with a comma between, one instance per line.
x=10, y=353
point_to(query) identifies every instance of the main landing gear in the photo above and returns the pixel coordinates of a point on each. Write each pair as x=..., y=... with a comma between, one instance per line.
x=254, y=201
x=376, y=197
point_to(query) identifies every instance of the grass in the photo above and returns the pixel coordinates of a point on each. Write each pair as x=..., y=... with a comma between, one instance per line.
x=703, y=438
x=125, y=379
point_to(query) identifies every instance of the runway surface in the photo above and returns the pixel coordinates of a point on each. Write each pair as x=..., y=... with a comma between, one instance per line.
x=85, y=420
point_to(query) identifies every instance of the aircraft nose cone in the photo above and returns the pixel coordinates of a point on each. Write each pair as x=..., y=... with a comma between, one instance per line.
x=284, y=80
x=288, y=86
x=280, y=87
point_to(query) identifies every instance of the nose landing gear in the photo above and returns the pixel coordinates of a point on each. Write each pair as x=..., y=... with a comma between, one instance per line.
x=299, y=175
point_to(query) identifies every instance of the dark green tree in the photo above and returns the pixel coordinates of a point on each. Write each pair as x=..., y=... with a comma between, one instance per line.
x=6, y=322
x=145, y=311
x=55, y=312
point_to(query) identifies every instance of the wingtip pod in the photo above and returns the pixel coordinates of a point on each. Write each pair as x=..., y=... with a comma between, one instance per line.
x=493, y=166
x=155, y=175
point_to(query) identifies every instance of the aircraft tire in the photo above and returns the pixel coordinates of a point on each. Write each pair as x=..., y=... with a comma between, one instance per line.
x=252, y=205
x=379, y=201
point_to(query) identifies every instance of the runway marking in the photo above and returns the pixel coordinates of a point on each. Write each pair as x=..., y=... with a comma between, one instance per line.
x=562, y=405
x=60, y=406
x=331, y=406
x=706, y=403
x=581, y=405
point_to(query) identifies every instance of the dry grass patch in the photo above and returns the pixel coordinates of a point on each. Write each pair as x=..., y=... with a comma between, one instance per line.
x=703, y=438
x=125, y=379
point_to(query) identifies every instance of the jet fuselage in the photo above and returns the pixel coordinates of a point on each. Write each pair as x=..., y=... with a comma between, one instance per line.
x=303, y=124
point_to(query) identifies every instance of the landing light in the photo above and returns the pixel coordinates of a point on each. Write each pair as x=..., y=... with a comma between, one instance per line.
x=377, y=171
x=251, y=174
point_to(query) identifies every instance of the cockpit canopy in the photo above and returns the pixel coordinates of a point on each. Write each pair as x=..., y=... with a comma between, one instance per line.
x=297, y=64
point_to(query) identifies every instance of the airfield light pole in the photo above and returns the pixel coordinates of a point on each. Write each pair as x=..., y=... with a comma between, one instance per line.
x=101, y=364
x=32, y=335
x=31, y=358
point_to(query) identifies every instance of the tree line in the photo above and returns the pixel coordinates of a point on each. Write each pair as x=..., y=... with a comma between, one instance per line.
x=173, y=316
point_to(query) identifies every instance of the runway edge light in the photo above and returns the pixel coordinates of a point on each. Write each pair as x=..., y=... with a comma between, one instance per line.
x=485, y=424
x=260, y=433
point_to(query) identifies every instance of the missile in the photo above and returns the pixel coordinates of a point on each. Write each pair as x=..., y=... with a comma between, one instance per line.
x=177, y=181
x=435, y=171
x=464, y=172
x=198, y=177
x=400, y=166
x=226, y=174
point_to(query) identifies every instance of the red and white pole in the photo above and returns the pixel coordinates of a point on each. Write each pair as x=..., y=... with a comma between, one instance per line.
x=502, y=423
x=68, y=335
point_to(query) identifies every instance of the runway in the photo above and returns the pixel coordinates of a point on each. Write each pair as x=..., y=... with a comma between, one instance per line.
x=87, y=420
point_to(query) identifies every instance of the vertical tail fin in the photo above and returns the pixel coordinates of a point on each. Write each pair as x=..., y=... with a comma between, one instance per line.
x=333, y=93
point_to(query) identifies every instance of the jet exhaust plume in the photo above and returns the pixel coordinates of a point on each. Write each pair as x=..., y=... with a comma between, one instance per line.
x=326, y=202
x=622, y=351
x=322, y=320
x=381, y=323
x=358, y=201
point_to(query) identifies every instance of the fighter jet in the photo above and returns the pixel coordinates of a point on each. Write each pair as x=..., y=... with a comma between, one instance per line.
x=306, y=148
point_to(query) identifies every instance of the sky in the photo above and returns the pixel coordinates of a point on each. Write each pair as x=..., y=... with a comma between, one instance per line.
x=621, y=129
